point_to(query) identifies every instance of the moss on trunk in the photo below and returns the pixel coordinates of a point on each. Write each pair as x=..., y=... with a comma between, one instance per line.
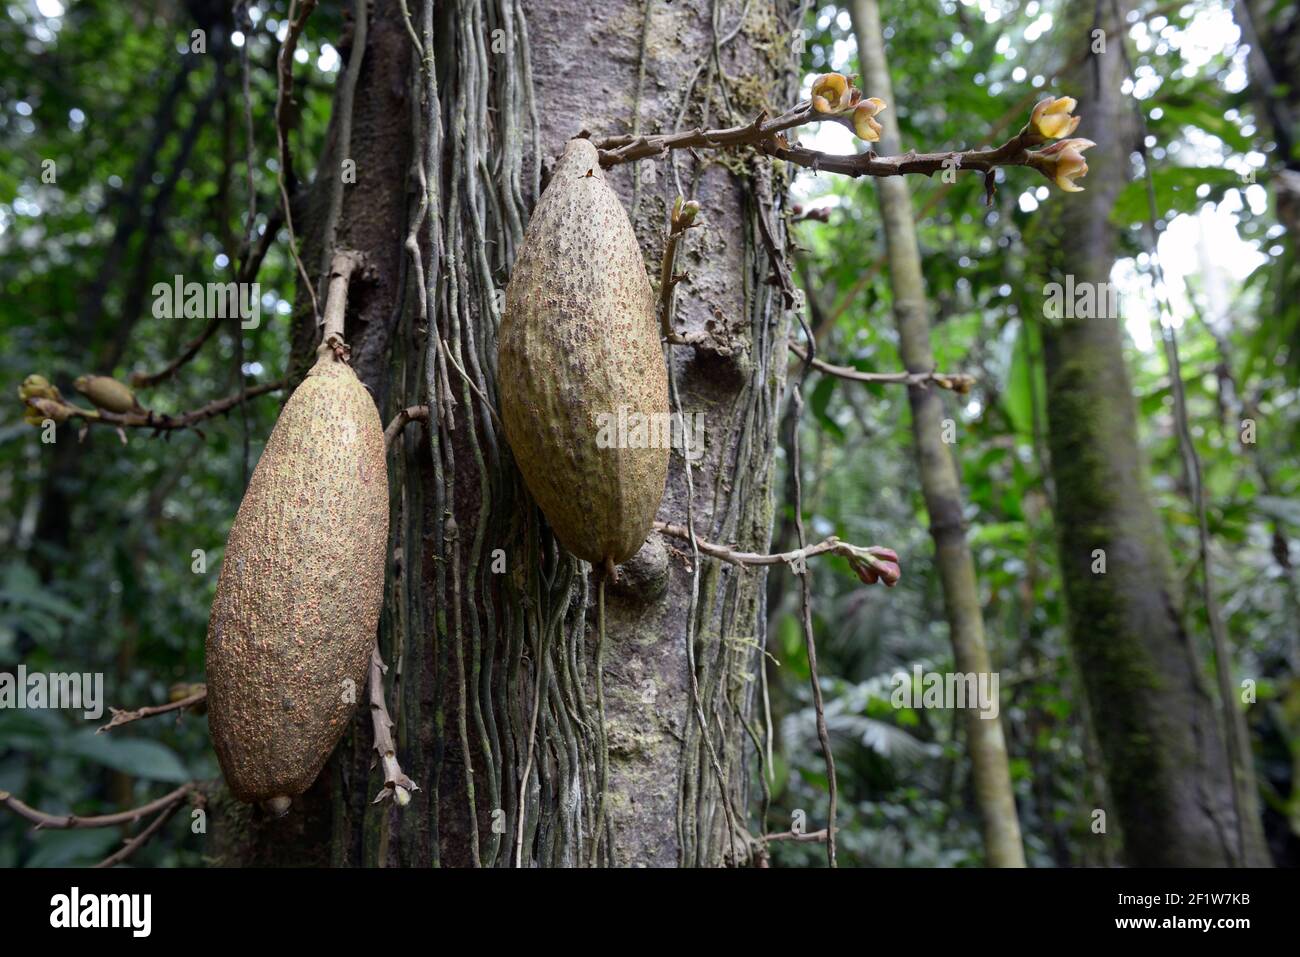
x=1163, y=748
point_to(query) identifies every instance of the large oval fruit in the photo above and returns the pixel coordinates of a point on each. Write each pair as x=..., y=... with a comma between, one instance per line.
x=300, y=589
x=581, y=370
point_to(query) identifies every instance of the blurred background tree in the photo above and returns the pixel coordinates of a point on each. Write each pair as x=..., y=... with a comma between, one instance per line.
x=906, y=792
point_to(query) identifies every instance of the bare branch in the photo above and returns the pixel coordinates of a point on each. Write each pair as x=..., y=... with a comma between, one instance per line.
x=142, y=380
x=871, y=564
x=812, y=837
x=397, y=786
x=141, y=839
x=959, y=382
x=1014, y=152
x=65, y=822
x=624, y=149
x=767, y=136
x=61, y=411
x=122, y=716
x=342, y=265
x=681, y=219
x=414, y=413
x=345, y=94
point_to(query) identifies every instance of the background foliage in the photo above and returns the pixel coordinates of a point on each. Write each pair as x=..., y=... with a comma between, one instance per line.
x=964, y=75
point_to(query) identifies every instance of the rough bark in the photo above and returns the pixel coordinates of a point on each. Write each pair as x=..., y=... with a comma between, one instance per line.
x=1163, y=747
x=940, y=482
x=494, y=665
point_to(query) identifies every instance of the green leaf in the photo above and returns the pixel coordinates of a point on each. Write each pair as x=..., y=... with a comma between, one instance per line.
x=1018, y=399
x=1004, y=534
x=29, y=730
x=134, y=756
x=1175, y=188
x=22, y=588
x=820, y=401
x=66, y=848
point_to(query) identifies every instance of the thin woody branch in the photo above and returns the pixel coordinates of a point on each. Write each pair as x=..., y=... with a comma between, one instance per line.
x=66, y=822
x=62, y=411
x=141, y=839
x=836, y=100
x=958, y=382
x=681, y=219
x=767, y=135
x=397, y=786
x=758, y=854
x=143, y=380
x=342, y=265
x=625, y=149
x=871, y=564
x=811, y=837
x=123, y=716
x=413, y=413
x=1014, y=152
x=251, y=256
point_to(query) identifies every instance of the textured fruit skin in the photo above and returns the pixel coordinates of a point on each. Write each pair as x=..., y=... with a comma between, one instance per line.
x=579, y=338
x=300, y=589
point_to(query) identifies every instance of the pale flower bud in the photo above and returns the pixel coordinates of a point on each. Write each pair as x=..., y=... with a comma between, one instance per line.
x=864, y=119
x=1063, y=162
x=1052, y=119
x=830, y=93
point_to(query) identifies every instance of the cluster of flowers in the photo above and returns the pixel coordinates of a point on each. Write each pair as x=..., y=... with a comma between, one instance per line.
x=1052, y=119
x=1062, y=161
x=833, y=93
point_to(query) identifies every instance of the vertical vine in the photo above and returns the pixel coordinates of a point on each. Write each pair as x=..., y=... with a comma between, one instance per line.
x=523, y=754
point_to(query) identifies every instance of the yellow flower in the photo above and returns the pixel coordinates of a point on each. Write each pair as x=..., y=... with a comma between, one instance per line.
x=36, y=410
x=1063, y=162
x=37, y=387
x=864, y=119
x=830, y=93
x=1052, y=119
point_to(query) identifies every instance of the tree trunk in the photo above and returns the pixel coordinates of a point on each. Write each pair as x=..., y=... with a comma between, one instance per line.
x=489, y=626
x=1165, y=755
x=939, y=478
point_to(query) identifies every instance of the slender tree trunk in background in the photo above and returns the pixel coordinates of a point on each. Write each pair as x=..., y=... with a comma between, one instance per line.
x=1272, y=32
x=939, y=477
x=1163, y=746
x=488, y=625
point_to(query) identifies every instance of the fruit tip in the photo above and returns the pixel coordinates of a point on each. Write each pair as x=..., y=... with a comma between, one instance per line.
x=277, y=806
